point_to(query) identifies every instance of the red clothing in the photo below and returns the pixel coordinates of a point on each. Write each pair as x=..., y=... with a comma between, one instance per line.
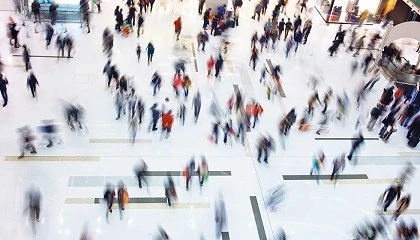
x=177, y=81
x=167, y=120
x=257, y=110
x=210, y=63
x=178, y=24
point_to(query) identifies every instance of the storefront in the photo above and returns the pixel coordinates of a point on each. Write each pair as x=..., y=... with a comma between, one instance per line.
x=349, y=11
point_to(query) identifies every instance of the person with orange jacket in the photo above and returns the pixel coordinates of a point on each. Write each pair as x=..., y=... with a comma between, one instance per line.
x=122, y=198
x=257, y=110
x=167, y=121
x=178, y=27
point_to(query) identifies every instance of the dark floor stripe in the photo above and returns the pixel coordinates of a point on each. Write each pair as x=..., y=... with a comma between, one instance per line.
x=39, y=56
x=138, y=200
x=337, y=139
x=193, y=49
x=324, y=177
x=225, y=236
x=195, y=65
x=241, y=108
x=257, y=217
x=271, y=68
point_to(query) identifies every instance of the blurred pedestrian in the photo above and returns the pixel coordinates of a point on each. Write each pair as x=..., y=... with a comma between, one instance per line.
x=3, y=89
x=122, y=198
x=109, y=197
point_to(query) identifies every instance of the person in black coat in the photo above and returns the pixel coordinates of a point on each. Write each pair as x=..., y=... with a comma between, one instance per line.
x=297, y=23
x=26, y=58
x=155, y=117
x=131, y=18
x=389, y=120
x=32, y=82
x=36, y=10
x=288, y=27
x=14, y=33
x=298, y=38
x=3, y=89
x=218, y=66
x=206, y=18
x=306, y=31
x=140, y=21
x=357, y=142
x=390, y=194
x=120, y=20
x=53, y=12
x=281, y=27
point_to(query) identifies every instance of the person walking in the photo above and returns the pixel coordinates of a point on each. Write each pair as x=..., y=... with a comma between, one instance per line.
x=327, y=99
x=373, y=80
x=119, y=103
x=196, y=105
x=375, y=113
x=356, y=144
x=156, y=82
x=391, y=193
x=150, y=51
x=122, y=198
x=69, y=42
x=167, y=122
x=140, y=22
x=200, y=6
x=170, y=191
x=281, y=27
x=178, y=27
x=156, y=114
x=265, y=145
x=402, y=205
x=138, y=52
x=298, y=36
x=109, y=196
x=288, y=28
x=202, y=171
x=317, y=164
x=338, y=166
x=26, y=57
x=189, y=172
x=306, y=30
x=3, y=89
x=141, y=173
x=206, y=18
x=36, y=11
x=32, y=82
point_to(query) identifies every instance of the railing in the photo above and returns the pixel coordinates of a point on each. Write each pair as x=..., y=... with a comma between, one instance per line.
x=397, y=74
x=65, y=12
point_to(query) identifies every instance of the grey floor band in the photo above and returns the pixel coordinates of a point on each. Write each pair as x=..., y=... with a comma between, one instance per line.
x=41, y=56
x=324, y=177
x=258, y=218
x=138, y=200
x=155, y=178
x=338, y=139
x=225, y=236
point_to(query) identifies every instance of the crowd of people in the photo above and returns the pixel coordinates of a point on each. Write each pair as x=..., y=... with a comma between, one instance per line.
x=397, y=104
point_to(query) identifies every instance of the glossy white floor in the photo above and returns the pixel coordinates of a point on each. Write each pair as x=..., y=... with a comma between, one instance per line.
x=309, y=211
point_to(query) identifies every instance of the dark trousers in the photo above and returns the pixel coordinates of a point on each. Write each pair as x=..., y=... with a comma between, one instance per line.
x=200, y=7
x=261, y=152
x=370, y=84
x=33, y=90
x=27, y=65
x=286, y=32
x=205, y=23
x=325, y=108
x=217, y=72
x=353, y=149
x=5, y=97
x=153, y=124
x=280, y=32
x=196, y=112
x=149, y=58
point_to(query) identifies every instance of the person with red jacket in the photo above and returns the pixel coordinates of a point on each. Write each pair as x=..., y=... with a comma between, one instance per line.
x=257, y=110
x=167, y=121
x=210, y=66
x=178, y=27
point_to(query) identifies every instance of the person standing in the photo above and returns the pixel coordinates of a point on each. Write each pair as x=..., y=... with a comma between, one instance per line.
x=26, y=57
x=178, y=27
x=297, y=23
x=131, y=18
x=122, y=198
x=32, y=82
x=109, y=196
x=156, y=82
x=196, y=105
x=3, y=89
x=34, y=206
x=53, y=12
x=150, y=51
x=69, y=44
x=36, y=10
